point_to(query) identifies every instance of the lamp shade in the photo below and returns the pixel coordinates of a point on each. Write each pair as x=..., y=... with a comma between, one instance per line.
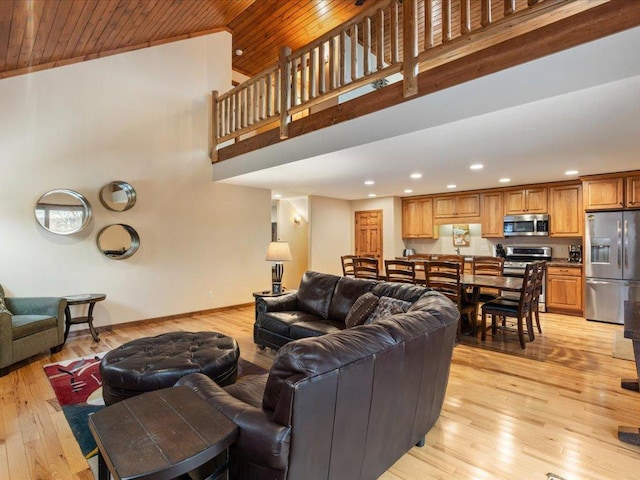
x=278, y=252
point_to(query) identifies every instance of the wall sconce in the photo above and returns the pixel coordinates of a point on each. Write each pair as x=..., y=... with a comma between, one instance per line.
x=297, y=220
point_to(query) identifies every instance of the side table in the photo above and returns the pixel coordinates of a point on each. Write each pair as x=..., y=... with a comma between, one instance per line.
x=82, y=299
x=269, y=293
x=161, y=435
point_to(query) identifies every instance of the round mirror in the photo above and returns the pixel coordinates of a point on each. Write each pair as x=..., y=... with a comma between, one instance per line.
x=118, y=241
x=118, y=196
x=63, y=211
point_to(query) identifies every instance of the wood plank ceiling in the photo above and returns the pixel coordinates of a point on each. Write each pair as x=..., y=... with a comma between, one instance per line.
x=40, y=34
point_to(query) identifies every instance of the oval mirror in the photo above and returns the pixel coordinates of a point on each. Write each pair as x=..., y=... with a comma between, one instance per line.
x=63, y=211
x=118, y=241
x=118, y=196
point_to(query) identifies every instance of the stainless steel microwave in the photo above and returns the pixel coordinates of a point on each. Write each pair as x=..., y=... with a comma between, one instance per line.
x=526, y=225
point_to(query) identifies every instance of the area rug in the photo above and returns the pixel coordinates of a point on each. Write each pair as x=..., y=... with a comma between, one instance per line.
x=78, y=388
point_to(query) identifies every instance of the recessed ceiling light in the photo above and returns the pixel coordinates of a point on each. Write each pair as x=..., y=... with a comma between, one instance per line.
x=371, y=195
x=369, y=182
x=408, y=190
x=476, y=166
x=416, y=175
x=452, y=185
x=571, y=172
x=277, y=195
x=504, y=180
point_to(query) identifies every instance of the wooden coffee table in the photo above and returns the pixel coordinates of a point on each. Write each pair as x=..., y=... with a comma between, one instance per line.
x=161, y=435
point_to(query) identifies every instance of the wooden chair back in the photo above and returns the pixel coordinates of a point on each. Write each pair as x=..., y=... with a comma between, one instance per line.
x=453, y=258
x=403, y=271
x=366, y=267
x=348, y=269
x=419, y=259
x=444, y=277
x=488, y=266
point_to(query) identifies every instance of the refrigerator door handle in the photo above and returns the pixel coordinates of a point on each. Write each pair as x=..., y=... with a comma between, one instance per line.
x=626, y=243
x=619, y=228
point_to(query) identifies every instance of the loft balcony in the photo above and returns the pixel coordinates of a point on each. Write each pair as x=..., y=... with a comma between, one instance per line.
x=397, y=51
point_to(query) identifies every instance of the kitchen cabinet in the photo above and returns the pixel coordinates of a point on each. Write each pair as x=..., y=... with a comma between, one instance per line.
x=632, y=197
x=417, y=218
x=565, y=211
x=456, y=208
x=526, y=201
x=603, y=193
x=564, y=290
x=491, y=215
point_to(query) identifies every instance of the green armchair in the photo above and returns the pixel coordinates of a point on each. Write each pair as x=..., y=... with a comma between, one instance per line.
x=34, y=325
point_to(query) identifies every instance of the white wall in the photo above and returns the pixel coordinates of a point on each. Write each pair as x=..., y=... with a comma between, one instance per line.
x=141, y=117
x=330, y=233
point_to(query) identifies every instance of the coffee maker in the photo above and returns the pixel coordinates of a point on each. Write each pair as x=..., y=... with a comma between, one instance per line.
x=575, y=253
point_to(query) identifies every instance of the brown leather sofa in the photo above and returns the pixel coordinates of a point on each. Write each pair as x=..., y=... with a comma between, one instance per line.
x=345, y=405
x=319, y=306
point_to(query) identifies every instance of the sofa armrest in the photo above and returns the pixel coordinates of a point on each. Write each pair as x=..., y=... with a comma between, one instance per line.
x=259, y=438
x=282, y=303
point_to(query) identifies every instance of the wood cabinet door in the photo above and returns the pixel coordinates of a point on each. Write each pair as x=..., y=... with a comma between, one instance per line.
x=468, y=205
x=444, y=207
x=603, y=194
x=565, y=211
x=564, y=290
x=491, y=215
x=633, y=192
x=536, y=200
x=417, y=218
x=368, y=233
x=514, y=202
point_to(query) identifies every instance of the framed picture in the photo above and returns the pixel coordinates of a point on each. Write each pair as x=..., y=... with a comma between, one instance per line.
x=461, y=237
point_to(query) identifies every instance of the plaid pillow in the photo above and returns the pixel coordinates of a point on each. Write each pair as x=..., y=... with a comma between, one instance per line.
x=387, y=306
x=3, y=306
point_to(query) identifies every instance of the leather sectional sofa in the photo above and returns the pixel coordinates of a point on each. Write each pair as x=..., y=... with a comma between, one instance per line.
x=346, y=405
x=319, y=306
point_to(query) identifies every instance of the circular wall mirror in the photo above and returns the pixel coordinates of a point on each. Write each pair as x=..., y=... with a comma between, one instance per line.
x=63, y=211
x=118, y=241
x=118, y=196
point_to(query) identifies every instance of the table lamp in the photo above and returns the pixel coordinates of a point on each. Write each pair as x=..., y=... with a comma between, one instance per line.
x=277, y=252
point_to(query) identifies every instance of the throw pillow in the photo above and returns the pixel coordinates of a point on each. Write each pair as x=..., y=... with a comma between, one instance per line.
x=361, y=309
x=3, y=306
x=387, y=306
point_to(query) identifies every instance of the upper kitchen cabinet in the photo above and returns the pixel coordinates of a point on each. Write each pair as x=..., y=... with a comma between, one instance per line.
x=525, y=201
x=612, y=191
x=417, y=218
x=632, y=196
x=565, y=211
x=603, y=193
x=492, y=218
x=456, y=208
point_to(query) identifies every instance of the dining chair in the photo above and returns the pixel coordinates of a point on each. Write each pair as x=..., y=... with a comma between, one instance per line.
x=419, y=259
x=366, y=267
x=488, y=266
x=402, y=271
x=347, y=265
x=521, y=310
x=445, y=277
x=453, y=258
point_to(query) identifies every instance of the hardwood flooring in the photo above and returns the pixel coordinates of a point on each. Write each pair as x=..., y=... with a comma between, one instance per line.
x=551, y=409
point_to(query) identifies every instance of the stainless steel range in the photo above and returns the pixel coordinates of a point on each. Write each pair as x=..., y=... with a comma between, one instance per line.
x=517, y=259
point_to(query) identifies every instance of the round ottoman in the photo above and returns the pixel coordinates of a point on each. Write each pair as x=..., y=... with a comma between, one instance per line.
x=152, y=363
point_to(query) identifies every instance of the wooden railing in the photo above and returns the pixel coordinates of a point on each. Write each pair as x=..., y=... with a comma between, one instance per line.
x=391, y=38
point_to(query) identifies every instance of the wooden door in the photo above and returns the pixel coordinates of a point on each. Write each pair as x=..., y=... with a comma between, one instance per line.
x=565, y=209
x=369, y=234
x=492, y=218
x=603, y=194
x=633, y=192
x=536, y=200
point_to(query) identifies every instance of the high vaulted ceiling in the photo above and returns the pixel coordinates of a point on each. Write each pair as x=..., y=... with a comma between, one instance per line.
x=40, y=34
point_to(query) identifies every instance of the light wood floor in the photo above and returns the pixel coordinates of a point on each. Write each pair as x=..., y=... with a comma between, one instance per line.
x=552, y=408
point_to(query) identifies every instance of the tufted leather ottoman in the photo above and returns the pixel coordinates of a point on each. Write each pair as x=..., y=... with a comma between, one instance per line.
x=152, y=363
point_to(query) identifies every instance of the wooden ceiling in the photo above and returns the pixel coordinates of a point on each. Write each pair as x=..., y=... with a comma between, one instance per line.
x=40, y=34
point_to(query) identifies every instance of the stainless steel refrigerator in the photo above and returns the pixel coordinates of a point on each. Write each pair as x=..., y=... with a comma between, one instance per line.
x=612, y=264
